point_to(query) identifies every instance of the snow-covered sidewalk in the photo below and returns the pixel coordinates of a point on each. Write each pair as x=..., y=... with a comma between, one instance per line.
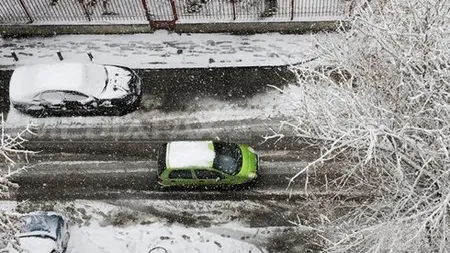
x=163, y=49
x=124, y=226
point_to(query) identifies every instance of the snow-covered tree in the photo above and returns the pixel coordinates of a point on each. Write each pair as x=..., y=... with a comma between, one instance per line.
x=382, y=102
x=11, y=149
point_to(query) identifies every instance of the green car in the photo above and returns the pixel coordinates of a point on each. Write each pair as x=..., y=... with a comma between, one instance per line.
x=206, y=163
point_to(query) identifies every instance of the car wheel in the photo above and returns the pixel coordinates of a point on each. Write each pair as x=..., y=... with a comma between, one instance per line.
x=112, y=111
x=120, y=112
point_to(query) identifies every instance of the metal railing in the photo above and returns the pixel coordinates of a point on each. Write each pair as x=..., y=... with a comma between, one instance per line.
x=171, y=11
x=259, y=10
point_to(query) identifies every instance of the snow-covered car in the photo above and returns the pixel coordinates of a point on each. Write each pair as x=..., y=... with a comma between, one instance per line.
x=62, y=89
x=44, y=232
x=206, y=163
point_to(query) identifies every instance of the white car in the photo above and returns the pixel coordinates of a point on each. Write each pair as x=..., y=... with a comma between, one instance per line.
x=44, y=232
x=66, y=89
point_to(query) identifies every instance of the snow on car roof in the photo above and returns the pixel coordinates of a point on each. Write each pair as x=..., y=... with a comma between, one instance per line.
x=28, y=81
x=183, y=154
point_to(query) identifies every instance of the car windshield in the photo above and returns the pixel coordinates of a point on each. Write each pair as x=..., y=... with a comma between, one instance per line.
x=42, y=223
x=97, y=80
x=228, y=157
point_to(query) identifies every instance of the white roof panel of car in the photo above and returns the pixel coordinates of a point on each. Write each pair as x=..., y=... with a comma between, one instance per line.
x=28, y=81
x=184, y=154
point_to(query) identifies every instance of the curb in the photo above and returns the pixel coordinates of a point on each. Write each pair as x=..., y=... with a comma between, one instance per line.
x=51, y=30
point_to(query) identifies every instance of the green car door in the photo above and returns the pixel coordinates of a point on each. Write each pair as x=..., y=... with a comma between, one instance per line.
x=206, y=177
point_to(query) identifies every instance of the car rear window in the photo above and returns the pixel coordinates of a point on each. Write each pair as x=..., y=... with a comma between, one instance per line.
x=162, y=158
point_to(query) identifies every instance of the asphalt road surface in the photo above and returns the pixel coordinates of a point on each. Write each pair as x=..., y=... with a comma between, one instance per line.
x=69, y=179
x=119, y=161
x=98, y=176
x=146, y=147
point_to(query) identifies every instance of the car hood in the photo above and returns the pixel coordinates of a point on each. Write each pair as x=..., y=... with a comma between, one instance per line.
x=37, y=244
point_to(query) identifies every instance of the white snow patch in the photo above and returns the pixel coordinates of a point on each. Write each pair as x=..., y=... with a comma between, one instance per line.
x=7, y=206
x=172, y=237
x=184, y=154
x=138, y=238
x=163, y=49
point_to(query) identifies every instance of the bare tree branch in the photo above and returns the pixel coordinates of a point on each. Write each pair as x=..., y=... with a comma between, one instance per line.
x=383, y=103
x=11, y=148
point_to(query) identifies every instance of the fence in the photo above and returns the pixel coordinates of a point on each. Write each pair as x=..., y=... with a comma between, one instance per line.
x=158, y=12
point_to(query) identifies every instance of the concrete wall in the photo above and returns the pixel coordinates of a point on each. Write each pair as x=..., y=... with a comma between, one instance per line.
x=238, y=28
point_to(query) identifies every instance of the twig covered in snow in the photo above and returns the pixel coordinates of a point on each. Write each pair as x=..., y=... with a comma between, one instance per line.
x=383, y=104
x=9, y=226
x=10, y=148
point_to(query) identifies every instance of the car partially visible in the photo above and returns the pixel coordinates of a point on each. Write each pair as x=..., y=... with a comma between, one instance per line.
x=44, y=232
x=206, y=163
x=68, y=88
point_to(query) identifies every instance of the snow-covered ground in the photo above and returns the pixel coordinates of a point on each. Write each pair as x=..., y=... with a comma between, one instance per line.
x=163, y=49
x=169, y=50
x=267, y=105
x=159, y=237
x=135, y=226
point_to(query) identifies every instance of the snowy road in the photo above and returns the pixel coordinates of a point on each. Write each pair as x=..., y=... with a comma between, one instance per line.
x=103, y=179
x=136, y=175
x=112, y=158
x=143, y=140
x=275, y=168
